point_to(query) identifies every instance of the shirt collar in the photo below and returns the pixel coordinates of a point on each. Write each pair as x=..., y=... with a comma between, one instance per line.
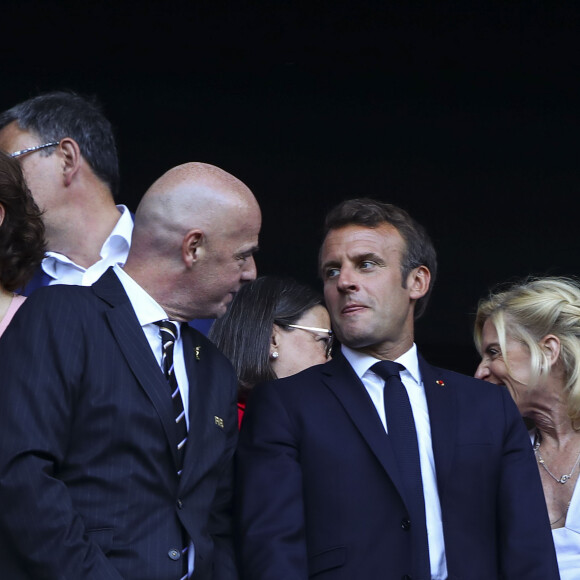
x=118, y=242
x=148, y=311
x=119, y=239
x=361, y=363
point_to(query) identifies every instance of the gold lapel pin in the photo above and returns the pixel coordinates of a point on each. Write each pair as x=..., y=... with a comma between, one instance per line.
x=440, y=383
x=219, y=421
x=197, y=350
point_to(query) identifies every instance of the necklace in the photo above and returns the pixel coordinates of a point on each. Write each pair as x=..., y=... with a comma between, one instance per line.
x=566, y=476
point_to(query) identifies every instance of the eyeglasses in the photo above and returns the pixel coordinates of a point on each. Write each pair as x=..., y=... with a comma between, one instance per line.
x=329, y=340
x=32, y=149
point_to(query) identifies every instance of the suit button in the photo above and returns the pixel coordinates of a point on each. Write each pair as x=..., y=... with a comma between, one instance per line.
x=406, y=524
x=174, y=554
x=179, y=504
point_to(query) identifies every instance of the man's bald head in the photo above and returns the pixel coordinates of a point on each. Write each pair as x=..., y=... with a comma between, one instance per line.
x=189, y=195
x=196, y=221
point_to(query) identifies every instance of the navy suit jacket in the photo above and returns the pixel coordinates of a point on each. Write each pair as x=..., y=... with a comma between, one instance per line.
x=319, y=495
x=88, y=474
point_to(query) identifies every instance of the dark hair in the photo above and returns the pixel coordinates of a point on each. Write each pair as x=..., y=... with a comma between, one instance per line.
x=244, y=333
x=22, y=242
x=59, y=114
x=371, y=213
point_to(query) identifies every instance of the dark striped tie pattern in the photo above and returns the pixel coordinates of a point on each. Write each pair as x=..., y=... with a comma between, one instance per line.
x=403, y=436
x=168, y=332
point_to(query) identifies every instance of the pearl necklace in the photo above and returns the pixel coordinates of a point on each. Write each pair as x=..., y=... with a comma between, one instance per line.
x=566, y=476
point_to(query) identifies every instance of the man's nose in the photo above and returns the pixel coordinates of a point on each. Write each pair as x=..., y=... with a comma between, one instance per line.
x=346, y=280
x=249, y=271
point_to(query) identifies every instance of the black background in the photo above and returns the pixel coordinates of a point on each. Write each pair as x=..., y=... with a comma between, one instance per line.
x=465, y=114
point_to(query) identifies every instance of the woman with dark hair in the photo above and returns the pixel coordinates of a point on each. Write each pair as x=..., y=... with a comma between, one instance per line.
x=274, y=328
x=21, y=237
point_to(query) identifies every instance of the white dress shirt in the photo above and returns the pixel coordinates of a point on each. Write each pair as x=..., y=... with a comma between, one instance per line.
x=63, y=270
x=411, y=379
x=149, y=312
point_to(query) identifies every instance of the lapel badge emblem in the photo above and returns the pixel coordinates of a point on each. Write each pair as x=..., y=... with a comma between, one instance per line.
x=219, y=422
x=197, y=350
x=440, y=383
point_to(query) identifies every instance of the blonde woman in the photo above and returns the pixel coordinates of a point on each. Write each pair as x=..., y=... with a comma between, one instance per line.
x=528, y=337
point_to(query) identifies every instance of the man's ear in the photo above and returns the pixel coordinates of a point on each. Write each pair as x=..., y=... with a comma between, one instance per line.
x=2, y=214
x=192, y=247
x=72, y=158
x=418, y=282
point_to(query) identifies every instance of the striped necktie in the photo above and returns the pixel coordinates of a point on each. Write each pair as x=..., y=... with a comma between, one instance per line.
x=168, y=332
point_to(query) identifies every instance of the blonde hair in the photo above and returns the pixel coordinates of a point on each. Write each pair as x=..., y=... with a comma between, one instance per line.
x=530, y=310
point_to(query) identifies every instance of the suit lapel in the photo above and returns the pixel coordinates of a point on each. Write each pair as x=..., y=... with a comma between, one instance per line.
x=136, y=350
x=201, y=421
x=350, y=391
x=196, y=380
x=442, y=404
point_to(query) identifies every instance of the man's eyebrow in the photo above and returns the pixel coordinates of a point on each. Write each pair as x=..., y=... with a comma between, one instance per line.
x=368, y=256
x=249, y=252
x=357, y=258
x=329, y=263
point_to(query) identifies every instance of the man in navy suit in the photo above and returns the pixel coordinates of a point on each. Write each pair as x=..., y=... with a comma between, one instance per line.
x=326, y=488
x=95, y=481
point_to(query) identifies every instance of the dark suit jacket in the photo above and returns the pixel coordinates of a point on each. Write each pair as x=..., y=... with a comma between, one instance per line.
x=39, y=280
x=88, y=482
x=319, y=496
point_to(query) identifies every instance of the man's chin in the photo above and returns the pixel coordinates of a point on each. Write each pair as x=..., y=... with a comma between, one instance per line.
x=215, y=310
x=221, y=309
x=353, y=339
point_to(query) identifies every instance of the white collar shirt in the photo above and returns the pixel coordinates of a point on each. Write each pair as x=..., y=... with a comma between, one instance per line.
x=63, y=270
x=411, y=379
x=149, y=312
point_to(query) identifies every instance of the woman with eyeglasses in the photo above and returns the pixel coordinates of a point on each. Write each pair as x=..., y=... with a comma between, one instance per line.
x=528, y=336
x=274, y=328
x=21, y=237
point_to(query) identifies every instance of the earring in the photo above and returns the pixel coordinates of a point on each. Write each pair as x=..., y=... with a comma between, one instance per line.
x=274, y=354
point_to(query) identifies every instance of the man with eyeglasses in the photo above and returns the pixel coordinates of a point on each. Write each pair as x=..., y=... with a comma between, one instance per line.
x=377, y=465
x=69, y=158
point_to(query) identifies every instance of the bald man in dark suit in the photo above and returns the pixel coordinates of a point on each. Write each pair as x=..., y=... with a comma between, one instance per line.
x=96, y=482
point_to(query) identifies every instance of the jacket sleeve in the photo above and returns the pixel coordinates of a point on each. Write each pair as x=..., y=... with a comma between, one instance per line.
x=269, y=499
x=41, y=356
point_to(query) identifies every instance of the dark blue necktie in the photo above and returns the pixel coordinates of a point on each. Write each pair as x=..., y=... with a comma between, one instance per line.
x=403, y=436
